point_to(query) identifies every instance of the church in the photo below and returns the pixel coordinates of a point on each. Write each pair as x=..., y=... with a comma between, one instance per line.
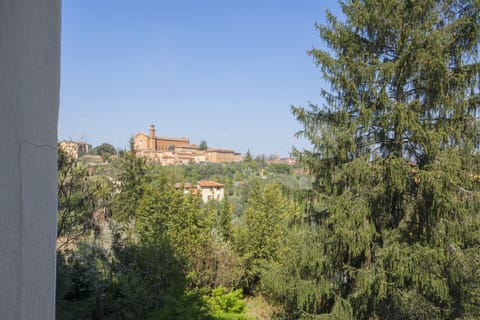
x=173, y=151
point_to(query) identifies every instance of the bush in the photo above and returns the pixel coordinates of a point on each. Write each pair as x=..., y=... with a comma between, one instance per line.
x=226, y=305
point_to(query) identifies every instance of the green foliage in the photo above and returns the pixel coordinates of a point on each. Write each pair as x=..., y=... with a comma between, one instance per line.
x=191, y=305
x=82, y=269
x=226, y=218
x=217, y=172
x=166, y=250
x=248, y=156
x=163, y=211
x=262, y=228
x=83, y=280
x=132, y=179
x=390, y=215
x=79, y=195
x=132, y=283
x=149, y=277
x=203, y=145
x=394, y=208
x=279, y=169
x=105, y=150
x=187, y=226
x=198, y=304
x=224, y=305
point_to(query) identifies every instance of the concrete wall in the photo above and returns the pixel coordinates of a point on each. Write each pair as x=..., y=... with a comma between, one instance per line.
x=29, y=94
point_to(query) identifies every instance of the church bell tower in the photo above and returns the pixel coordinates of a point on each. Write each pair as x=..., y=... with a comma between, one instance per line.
x=151, y=138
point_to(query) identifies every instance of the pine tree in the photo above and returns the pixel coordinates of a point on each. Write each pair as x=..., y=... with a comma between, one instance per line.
x=393, y=229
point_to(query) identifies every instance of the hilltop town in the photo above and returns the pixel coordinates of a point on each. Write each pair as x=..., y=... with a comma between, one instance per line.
x=163, y=150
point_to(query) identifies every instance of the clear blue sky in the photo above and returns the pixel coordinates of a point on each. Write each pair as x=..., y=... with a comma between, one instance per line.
x=222, y=71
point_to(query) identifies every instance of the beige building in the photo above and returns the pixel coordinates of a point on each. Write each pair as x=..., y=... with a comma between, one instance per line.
x=178, y=151
x=222, y=155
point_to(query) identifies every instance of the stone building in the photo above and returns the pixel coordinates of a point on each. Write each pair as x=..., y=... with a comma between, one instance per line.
x=173, y=151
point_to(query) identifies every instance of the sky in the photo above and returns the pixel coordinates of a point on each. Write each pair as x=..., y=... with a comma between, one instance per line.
x=223, y=71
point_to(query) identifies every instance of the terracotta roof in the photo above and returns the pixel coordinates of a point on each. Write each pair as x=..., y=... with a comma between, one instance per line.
x=206, y=184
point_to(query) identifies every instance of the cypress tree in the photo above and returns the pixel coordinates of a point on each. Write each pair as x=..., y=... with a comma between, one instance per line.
x=393, y=229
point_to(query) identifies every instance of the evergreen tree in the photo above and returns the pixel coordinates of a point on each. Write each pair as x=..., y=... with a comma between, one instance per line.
x=133, y=178
x=248, y=156
x=203, y=145
x=259, y=236
x=393, y=228
x=225, y=218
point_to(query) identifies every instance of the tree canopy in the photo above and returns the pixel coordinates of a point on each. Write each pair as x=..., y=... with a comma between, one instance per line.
x=392, y=224
x=105, y=148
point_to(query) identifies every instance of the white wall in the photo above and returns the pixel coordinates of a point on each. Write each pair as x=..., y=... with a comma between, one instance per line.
x=29, y=91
